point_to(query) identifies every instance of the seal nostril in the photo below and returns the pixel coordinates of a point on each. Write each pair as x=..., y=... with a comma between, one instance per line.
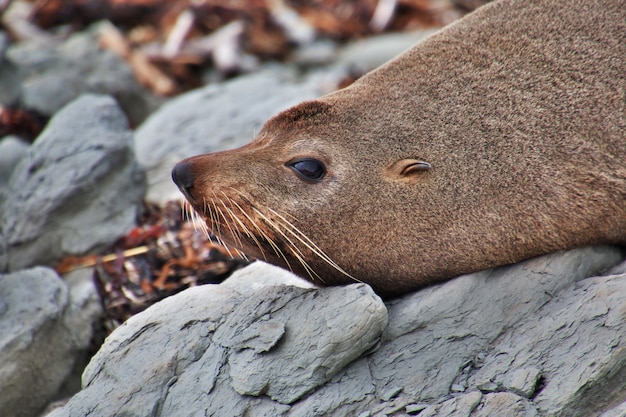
x=182, y=176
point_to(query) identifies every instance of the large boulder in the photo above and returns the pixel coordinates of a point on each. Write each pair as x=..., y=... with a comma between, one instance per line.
x=45, y=329
x=78, y=188
x=538, y=338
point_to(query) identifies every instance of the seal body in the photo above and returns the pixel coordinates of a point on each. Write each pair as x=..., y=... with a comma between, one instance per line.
x=500, y=138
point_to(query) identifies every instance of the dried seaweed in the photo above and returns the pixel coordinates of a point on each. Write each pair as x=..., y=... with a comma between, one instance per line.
x=161, y=257
x=167, y=42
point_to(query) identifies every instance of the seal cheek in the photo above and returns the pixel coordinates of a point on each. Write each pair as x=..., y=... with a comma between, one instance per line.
x=407, y=168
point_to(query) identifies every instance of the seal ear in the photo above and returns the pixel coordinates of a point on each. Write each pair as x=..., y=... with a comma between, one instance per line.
x=406, y=168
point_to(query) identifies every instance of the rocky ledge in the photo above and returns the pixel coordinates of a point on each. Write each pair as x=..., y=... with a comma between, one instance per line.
x=543, y=337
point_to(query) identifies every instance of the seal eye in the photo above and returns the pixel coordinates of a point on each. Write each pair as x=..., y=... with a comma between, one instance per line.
x=310, y=170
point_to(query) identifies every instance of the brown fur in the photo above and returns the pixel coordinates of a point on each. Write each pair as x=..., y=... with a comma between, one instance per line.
x=519, y=108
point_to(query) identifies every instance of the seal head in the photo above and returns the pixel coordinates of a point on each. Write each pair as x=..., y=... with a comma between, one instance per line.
x=498, y=139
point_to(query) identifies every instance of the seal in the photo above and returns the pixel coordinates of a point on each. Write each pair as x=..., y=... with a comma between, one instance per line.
x=497, y=139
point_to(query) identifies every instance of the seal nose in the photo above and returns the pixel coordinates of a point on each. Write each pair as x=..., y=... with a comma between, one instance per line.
x=183, y=178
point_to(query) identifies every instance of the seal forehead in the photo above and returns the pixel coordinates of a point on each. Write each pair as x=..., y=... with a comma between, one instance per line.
x=304, y=114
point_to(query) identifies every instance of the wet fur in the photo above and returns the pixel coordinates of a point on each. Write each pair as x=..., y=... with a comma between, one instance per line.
x=519, y=108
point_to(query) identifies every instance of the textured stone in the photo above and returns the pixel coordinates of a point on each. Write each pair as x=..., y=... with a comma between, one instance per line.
x=618, y=411
x=461, y=406
x=523, y=381
x=326, y=330
x=78, y=188
x=505, y=404
x=12, y=149
x=577, y=341
x=449, y=325
x=545, y=328
x=167, y=357
x=55, y=74
x=10, y=81
x=42, y=333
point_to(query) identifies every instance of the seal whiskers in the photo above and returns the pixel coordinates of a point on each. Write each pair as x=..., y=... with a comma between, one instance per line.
x=198, y=223
x=236, y=232
x=304, y=239
x=295, y=251
x=295, y=232
x=242, y=226
x=264, y=235
x=217, y=214
x=215, y=224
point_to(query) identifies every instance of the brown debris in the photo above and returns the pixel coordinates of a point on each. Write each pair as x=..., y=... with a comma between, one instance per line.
x=159, y=258
x=50, y=13
x=166, y=42
x=146, y=73
x=20, y=122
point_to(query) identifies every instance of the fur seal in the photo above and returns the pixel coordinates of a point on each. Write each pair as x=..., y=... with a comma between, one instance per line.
x=497, y=139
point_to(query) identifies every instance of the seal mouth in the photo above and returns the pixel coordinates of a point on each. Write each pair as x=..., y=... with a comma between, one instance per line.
x=242, y=227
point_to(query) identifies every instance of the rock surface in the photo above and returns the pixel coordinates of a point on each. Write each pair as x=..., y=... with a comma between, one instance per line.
x=12, y=149
x=58, y=71
x=10, y=82
x=542, y=337
x=43, y=332
x=77, y=189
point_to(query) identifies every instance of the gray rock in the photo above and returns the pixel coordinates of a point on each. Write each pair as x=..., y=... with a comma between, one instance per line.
x=170, y=361
x=618, y=269
x=53, y=75
x=213, y=118
x=461, y=406
x=618, y=411
x=505, y=404
x=292, y=351
x=78, y=189
x=320, y=52
x=522, y=381
x=10, y=81
x=324, y=331
x=347, y=394
x=85, y=321
x=575, y=339
x=448, y=325
x=475, y=404
x=12, y=149
x=260, y=274
x=42, y=332
x=416, y=408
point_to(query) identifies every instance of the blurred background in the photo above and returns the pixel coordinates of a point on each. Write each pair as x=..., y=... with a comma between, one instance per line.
x=173, y=46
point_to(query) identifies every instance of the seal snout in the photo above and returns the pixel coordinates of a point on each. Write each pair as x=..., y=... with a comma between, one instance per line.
x=183, y=178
